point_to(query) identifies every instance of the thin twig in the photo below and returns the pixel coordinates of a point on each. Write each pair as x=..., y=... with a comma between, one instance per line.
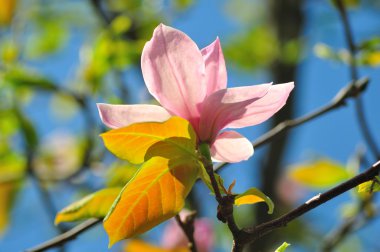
x=340, y=99
x=225, y=207
x=362, y=120
x=65, y=237
x=188, y=227
x=265, y=228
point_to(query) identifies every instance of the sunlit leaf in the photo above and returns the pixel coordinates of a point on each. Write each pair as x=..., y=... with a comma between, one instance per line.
x=253, y=196
x=370, y=186
x=371, y=58
x=120, y=173
x=7, y=9
x=206, y=179
x=183, y=4
x=155, y=194
x=94, y=205
x=347, y=3
x=12, y=169
x=139, y=142
x=49, y=36
x=60, y=101
x=140, y=245
x=319, y=174
x=283, y=247
x=7, y=195
x=24, y=78
x=257, y=48
x=121, y=24
x=370, y=44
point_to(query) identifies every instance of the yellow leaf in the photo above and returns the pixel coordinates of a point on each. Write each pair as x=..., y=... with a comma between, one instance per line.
x=94, y=205
x=7, y=193
x=283, y=247
x=370, y=186
x=139, y=246
x=155, y=194
x=253, y=196
x=319, y=174
x=141, y=141
x=372, y=58
x=7, y=10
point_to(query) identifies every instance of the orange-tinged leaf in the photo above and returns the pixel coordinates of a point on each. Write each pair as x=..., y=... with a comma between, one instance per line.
x=94, y=205
x=253, y=196
x=155, y=194
x=7, y=9
x=141, y=141
x=7, y=193
x=319, y=174
x=139, y=246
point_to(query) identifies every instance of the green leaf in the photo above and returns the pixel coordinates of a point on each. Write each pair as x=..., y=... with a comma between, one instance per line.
x=347, y=3
x=48, y=37
x=258, y=48
x=370, y=186
x=12, y=173
x=206, y=179
x=283, y=247
x=120, y=173
x=253, y=196
x=27, y=129
x=23, y=78
x=319, y=174
x=94, y=205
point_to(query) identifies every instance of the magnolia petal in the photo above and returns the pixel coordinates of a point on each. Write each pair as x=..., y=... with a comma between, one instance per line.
x=262, y=109
x=117, y=116
x=225, y=106
x=216, y=73
x=173, y=70
x=231, y=147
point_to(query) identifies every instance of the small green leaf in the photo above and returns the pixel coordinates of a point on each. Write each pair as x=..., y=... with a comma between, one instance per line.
x=370, y=186
x=283, y=247
x=23, y=78
x=120, y=173
x=347, y=3
x=94, y=205
x=253, y=196
x=206, y=179
x=319, y=174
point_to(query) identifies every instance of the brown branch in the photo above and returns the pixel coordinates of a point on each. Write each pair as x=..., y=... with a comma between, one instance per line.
x=254, y=233
x=187, y=226
x=65, y=237
x=225, y=207
x=362, y=120
x=349, y=91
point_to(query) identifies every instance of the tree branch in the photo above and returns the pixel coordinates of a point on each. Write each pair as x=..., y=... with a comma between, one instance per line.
x=351, y=90
x=65, y=237
x=187, y=226
x=362, y=120
x=265, y=228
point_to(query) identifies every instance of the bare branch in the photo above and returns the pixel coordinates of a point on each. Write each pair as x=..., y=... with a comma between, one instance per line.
x=65, y=237
x=187, y=227
x=362, y=120
x=265, y=228
x=349, y=91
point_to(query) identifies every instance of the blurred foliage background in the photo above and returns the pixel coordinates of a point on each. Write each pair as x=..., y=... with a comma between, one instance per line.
x=58, y=58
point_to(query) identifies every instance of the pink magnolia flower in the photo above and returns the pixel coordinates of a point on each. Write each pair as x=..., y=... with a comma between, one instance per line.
x=192, y=84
